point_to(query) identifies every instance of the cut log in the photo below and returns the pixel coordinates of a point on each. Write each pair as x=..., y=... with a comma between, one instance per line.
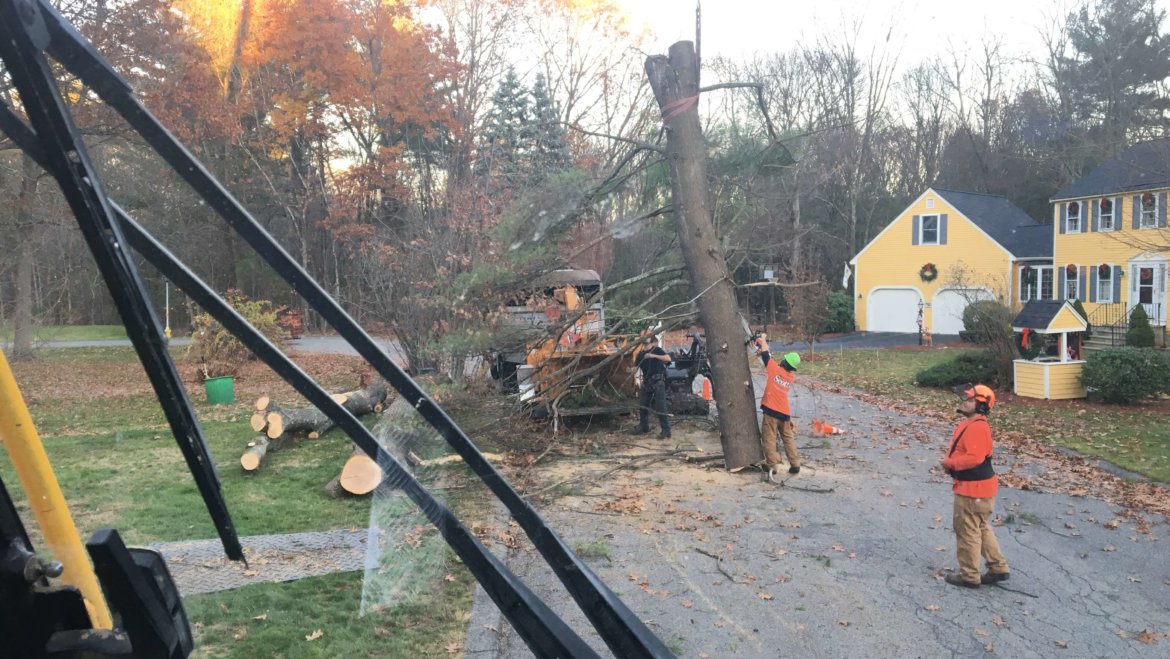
x=333, y=489
x=361, y=474
x=262, y=403
x=259, y=422
x=312, y=421
x=257, y=449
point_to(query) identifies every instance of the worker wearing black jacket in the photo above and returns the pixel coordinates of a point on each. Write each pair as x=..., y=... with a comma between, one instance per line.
x=652, y=361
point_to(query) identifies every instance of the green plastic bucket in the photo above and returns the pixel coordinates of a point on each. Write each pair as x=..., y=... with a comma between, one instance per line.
x=220, y=390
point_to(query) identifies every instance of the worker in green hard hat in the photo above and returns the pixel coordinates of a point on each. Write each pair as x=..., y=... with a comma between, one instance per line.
x=774, y=405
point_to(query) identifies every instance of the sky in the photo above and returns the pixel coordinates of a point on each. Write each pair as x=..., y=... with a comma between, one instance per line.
x=922, y=29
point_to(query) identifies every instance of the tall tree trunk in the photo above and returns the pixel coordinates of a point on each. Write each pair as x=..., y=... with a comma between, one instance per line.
x=675, y=81
x=22, y=338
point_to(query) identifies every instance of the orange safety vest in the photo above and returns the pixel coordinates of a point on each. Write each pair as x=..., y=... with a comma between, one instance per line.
x=780, y=380
x=970, y=447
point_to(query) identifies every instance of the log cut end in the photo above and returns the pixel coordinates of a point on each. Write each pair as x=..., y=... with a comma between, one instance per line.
x=360, y=475
x=275, y=425
x=262, y=403
x=259, y=421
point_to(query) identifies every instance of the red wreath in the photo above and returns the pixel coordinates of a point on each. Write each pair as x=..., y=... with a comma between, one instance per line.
x=1147, y=199
x=1106, y=204
x=928, y=272
x=1147, y=274
x=1103, y=269
x=1070, y=270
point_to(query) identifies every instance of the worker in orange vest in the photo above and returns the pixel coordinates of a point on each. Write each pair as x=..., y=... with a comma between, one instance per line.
x=968, y=462
x=774, y=405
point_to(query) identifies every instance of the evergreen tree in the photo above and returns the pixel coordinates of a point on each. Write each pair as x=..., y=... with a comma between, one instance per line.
x=550, y=146
x=1139, y=334
x=507, y=135
x=1110, y=81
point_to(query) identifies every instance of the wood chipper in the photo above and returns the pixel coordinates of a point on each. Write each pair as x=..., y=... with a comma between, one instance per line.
x=571, y=366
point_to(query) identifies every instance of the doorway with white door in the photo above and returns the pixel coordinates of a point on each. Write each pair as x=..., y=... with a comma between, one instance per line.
x=1147, y=287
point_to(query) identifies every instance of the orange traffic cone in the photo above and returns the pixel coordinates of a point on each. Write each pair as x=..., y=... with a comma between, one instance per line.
x=831, y=430
x=706, y=389
x=817, y=425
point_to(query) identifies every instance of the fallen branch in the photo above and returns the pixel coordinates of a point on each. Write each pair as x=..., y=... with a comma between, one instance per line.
x=718, y=563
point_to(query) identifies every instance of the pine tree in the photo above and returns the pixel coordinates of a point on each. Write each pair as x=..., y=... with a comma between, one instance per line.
x=1139, y=334
x=550, y=147
x=507, y=135
x=1111, y=81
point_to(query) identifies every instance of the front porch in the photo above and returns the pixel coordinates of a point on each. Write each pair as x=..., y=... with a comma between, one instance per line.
x=1108, y=324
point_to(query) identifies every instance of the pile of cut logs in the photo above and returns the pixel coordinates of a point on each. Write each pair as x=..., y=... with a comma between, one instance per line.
x=360, y=475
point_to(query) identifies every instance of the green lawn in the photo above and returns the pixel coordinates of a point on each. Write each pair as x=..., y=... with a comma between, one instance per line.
x=70, y=332
x=1134, y=437
x=276, y=620
x=118, y=466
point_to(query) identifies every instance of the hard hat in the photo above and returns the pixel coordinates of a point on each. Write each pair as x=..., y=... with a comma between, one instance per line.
x=793, y=360
x=980, y=392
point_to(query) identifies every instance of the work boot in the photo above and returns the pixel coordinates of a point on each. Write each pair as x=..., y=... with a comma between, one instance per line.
x=956, y=580
x=665, y=434
x=640, y=431
x=794, y=469
x=994, y=577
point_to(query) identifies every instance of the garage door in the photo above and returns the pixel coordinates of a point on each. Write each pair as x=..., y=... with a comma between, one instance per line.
x=893, y=310
x=948, y=307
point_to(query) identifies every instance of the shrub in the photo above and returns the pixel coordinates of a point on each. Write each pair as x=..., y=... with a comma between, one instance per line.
x=839, y=307
x=960, y=369
x=1126, y=375
x=1139, y=334
x=987, y=321
x=217, y=352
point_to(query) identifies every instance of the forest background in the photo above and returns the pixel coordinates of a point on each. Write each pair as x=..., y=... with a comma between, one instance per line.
x=426, y=159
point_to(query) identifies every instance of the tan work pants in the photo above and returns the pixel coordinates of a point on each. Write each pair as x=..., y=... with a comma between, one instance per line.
x=974, y=537
x=787, y=431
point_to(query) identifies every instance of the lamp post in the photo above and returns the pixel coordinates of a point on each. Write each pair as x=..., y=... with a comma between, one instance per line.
x=921, y=304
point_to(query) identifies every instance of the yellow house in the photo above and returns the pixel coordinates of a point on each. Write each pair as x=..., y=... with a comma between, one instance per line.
x=946, y=250
x=1051, y=378
x=1110, y=240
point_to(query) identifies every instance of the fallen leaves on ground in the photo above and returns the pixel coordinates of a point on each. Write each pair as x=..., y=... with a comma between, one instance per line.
x=1147, y=637
x=315, y=635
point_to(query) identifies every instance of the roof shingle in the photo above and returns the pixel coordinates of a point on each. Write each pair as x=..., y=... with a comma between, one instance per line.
x=1005, y=222
x=1143, y=166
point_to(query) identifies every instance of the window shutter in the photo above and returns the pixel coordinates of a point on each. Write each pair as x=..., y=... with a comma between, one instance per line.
x=1092, y=285
x=1082, y=279
x=1116, y=284
x=1162, y=209
x=942, y=229
x=1118, y=207
x=1090, y=210
x=1137, y=211
x=915, y=225
x=1063, y=216
x=1061, y=289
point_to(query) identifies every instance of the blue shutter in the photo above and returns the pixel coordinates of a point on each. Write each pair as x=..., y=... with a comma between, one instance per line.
x=1092, y=285
x=1116, y=284
x=916, y=224
x=1089, y=206
x=1063, y=216
x=1061, y=289
x=942, y=229
x=1137, y=211
x=1081, y=281
x=1162, y=209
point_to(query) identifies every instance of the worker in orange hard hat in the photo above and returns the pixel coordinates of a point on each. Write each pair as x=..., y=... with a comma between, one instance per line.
x=774, y=406
x=968, y=462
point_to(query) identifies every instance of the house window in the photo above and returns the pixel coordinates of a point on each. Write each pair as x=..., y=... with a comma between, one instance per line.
x=1105, y=284
x=929, y=230
x=1149, y=211
x=1071, y=284
x=930, y=203
x=1036, y=284
x=1072, y=222
x=1105, y=214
